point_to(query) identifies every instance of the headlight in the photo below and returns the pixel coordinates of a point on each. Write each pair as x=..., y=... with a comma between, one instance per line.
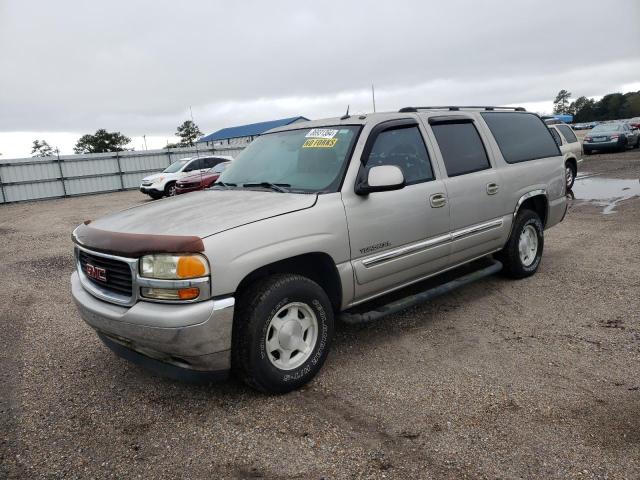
x=174, y=267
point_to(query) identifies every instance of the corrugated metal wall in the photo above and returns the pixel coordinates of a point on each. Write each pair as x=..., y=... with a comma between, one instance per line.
x=51, y=177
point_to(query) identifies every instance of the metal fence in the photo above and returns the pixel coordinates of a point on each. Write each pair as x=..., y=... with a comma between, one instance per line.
x=23, y=179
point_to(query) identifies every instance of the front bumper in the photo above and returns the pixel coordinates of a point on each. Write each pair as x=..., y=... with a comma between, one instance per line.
x=149, y=189
x=191, y=337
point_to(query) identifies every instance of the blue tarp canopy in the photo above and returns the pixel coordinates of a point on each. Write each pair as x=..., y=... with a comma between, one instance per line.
x=563, y=117
x=250, y=130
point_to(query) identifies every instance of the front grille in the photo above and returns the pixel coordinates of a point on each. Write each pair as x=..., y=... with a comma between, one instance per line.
x=118, y=273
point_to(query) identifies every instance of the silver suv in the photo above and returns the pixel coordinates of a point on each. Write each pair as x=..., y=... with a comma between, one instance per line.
x=310, y=221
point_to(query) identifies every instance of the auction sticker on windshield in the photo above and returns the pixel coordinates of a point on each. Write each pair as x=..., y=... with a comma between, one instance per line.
x=320, y=143
x=321, y=133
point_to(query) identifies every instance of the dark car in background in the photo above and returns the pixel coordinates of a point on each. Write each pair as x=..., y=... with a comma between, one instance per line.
x=610, y=136
x=200, y=180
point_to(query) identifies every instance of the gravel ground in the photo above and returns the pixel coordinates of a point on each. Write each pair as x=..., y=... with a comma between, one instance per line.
x=537, y=378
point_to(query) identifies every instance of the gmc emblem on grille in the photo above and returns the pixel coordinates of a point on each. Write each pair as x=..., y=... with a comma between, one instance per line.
x=96, y=273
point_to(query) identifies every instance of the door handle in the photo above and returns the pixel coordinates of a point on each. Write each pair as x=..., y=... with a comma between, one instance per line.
x=492, y=188
x=438, y=200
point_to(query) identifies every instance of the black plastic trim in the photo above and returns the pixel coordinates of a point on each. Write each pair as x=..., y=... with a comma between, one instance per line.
x=161, y=368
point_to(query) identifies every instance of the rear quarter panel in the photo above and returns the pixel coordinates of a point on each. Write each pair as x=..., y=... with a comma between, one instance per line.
x=546, y=174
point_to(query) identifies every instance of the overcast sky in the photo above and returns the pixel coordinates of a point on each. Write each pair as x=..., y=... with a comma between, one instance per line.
x=71, y=67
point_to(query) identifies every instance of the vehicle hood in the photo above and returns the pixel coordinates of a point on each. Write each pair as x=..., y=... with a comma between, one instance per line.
x=155, y=176
x=196, y=177
x=204, y=213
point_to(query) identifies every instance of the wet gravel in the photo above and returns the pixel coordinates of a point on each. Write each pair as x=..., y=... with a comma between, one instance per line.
x=538, y=378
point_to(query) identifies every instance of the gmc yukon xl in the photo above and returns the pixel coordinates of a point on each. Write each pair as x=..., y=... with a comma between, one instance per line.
x=310, y=221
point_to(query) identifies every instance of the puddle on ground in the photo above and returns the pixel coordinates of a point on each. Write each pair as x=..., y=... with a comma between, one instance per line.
x=605, y=192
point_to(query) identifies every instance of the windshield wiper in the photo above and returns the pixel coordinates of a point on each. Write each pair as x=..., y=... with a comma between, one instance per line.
x=277, y=187
x=222, y=184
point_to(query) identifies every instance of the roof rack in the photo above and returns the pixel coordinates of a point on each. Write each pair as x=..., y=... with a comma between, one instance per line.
x=454, y=108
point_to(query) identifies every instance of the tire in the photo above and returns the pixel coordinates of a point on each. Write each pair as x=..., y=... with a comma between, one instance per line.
x=570, y=175
x=515, y=266
x=156, y=196
x=262, y=308
x=170, y=189
x=637, y=142
x=622, y=147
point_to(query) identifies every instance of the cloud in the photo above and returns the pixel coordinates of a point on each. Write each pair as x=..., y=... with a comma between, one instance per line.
x=137, y=66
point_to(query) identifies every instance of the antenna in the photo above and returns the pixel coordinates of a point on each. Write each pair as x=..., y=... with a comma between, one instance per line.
x=373, y=97
x=346, y=115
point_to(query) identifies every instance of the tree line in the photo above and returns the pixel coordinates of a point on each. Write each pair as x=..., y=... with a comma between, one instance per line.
x=103, y=141
x=612, y=106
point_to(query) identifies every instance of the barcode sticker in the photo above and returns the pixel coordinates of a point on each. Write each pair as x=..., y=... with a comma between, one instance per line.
x=321, y=133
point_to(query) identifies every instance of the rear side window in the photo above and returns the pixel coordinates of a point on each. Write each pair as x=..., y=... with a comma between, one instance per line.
x=556, y=136
x=567, y=133
x=521, y=136
x=404, y=148
x=461, y=147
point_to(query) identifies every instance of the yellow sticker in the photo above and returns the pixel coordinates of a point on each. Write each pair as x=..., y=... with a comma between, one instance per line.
x=320, y=143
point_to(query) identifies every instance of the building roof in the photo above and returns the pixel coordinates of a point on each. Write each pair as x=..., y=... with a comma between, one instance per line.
x=248, y=130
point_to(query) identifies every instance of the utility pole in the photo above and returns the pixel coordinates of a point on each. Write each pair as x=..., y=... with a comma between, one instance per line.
x=373, y=97
x=193, y=122
x=145, y=141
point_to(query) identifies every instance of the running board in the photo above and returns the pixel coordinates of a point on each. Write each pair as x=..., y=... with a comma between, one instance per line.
x=413, y=300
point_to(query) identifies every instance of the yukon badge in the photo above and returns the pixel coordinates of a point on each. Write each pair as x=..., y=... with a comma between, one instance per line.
x=96, y=273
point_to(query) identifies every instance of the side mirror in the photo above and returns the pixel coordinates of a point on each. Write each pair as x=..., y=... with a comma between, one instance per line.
x=381, y=178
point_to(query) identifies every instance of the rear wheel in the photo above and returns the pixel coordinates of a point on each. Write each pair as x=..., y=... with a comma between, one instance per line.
x=282, y=333
x=522, y=254
x=570, y=174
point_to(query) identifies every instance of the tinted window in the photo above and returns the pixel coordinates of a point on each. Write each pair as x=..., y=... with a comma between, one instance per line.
x=521, y=136
x=211, y=162
x=404, y=148
x=461, y=147
x=567, y=133
x=194, y=165
x=220, y=167
x=556, y=136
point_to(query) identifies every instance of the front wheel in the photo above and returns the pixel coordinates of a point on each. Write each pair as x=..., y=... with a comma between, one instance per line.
x=170, y=189
x=522, y=254
x=282, y=333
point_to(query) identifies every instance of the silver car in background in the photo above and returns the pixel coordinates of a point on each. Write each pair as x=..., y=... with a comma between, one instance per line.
x=616, y=136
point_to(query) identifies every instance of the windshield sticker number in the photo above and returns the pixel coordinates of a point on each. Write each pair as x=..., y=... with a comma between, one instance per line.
x=321, y=133
x=320, y=143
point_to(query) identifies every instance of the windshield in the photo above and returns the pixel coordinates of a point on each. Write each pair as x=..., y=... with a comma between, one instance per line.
x=174, y=167
x=307, y=160
x=606, y=128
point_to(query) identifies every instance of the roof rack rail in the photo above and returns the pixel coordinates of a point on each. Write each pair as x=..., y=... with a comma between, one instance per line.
x=454, y=108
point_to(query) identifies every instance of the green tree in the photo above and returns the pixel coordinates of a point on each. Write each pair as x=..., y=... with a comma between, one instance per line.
x=631, y=106
x=561, y=103
x=102, y=141
x=189, y=133
x=41, y=149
